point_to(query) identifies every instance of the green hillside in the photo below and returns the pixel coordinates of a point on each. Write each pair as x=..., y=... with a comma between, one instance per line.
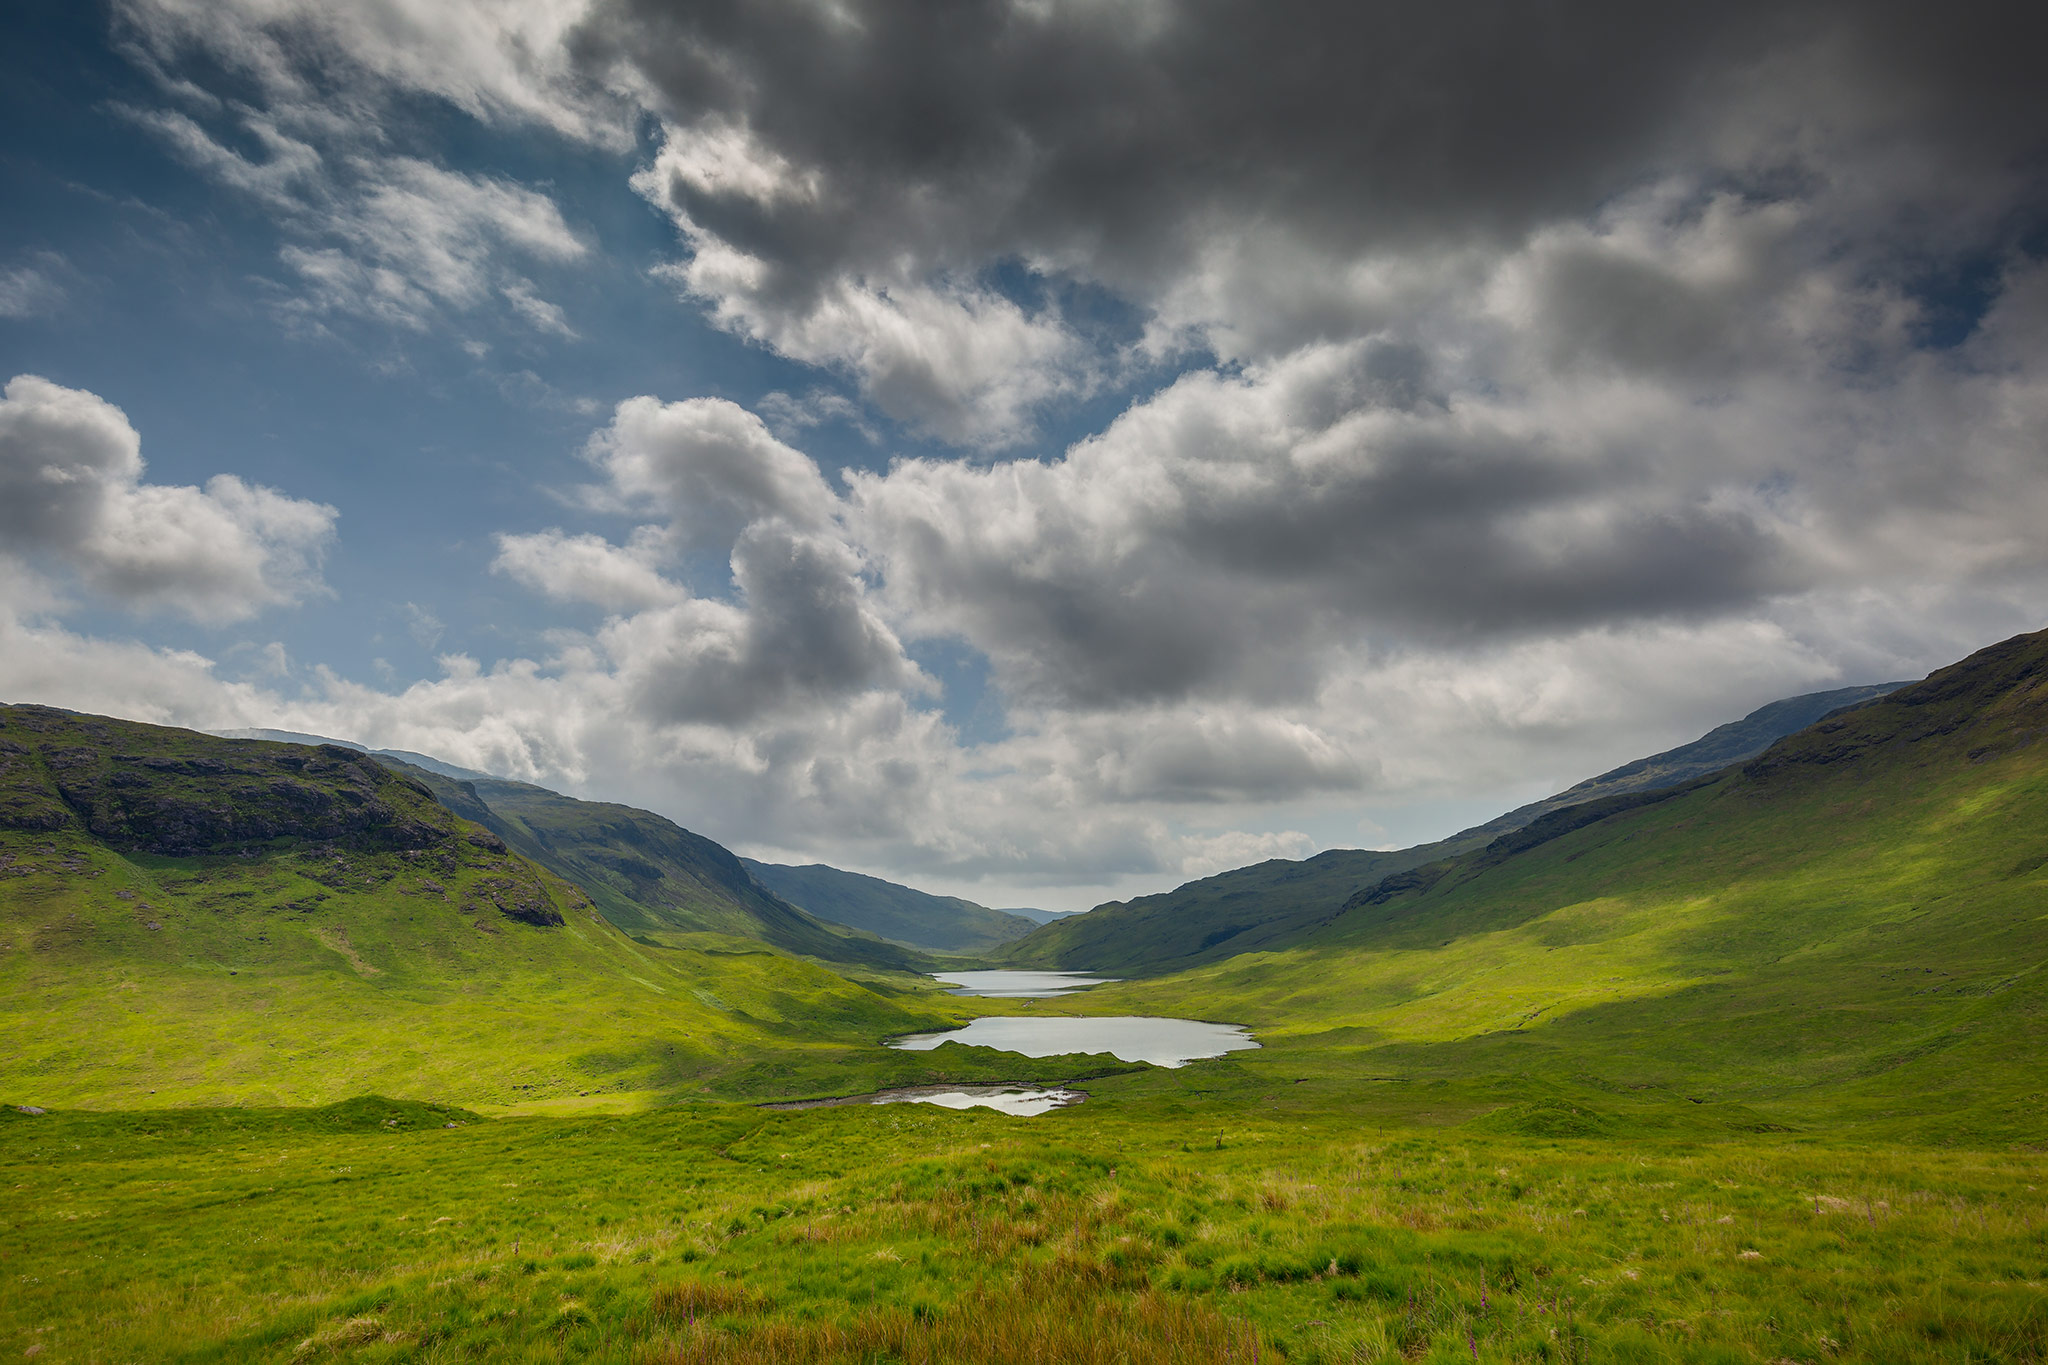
x=1272, y=904
x=902, y=914
x=649, y=876
x=185, y=919
x=1242, y=910
x=1743, y=1070
x=1852, y=925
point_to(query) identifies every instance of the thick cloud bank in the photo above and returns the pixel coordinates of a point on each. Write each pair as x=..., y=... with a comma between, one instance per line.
x=1496, y=391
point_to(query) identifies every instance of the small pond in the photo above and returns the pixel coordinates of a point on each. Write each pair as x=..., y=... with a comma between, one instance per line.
x=1020, y=1100
x=1018, y=985
x=1129, y=1037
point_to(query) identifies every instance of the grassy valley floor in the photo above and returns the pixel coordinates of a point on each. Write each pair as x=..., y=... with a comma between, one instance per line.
x=1138, y=1231
x=1747, y=1073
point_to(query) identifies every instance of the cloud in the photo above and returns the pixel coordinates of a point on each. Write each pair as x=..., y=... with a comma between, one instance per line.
x=28, y=291
x=493, y=61
x=423, y=625
x=792, y=624
x=1499, y=393
x=801, y=634
x=72, y=494
x=287, y=170
x=952, y=357
x=418, y=239
x=845, y=176
x=371, y=232
x=905, y=202
x=710, y=465
x=588, y=568
x=788, y=416
x=541, y=315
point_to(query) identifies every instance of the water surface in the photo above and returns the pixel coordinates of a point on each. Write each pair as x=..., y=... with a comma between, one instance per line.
x=1020, y=1100
x=1128, y=1037
x=1018, y=985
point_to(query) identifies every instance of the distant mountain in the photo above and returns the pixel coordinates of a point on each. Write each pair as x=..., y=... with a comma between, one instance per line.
x=898, y=913
x=1719, y=747
x=1239, y=911
x=869, y=905
x=1038, y=916
x=1848, y=924
x=1272, y=904
x=186, y=919
x=650, y=876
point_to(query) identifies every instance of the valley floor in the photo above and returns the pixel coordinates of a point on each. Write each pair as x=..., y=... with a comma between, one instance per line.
x=1137, y=1230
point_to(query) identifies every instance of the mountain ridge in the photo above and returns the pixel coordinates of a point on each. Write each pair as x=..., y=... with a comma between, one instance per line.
x=1270, y=904
x=898, y=913
x=648, y=875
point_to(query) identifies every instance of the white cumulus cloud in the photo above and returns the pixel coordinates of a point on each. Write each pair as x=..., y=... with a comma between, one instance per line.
x=73, y=495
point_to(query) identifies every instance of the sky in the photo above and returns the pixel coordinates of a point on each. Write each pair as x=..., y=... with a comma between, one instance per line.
x=1037, y=451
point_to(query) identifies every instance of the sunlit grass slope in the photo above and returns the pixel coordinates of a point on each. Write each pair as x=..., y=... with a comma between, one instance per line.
x=186, y=919
x=1274, y=904
x=1851, y=925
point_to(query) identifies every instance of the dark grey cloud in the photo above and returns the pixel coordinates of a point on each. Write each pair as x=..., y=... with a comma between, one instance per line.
x=1121, y=137
x=1578, y=366
x=801, y=635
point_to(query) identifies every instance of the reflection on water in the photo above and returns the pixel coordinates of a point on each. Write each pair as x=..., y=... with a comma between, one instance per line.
x=1018, y=985
x=1022, y=1101
x=1129, y=1037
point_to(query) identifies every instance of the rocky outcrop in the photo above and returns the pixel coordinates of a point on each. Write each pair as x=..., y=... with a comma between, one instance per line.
x=149, y=789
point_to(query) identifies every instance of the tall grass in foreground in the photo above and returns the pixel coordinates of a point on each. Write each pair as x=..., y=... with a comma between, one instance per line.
x=721, y=1234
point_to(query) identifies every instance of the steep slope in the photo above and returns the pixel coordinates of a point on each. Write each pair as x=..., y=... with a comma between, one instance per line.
x=208, y=920
x=648, y=875
x=902, y=914
x=1852, y=920
x=1713, y=751
x=1271, y=904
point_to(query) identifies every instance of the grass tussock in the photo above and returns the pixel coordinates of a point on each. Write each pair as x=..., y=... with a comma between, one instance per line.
x=1033, y=1322
x=693, y=1299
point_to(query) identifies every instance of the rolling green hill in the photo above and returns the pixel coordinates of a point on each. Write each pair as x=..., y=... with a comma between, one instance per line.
x=1275, y=903
x=902, y=914
x=185, y=919
x=1853, y=923
x=648, y=875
